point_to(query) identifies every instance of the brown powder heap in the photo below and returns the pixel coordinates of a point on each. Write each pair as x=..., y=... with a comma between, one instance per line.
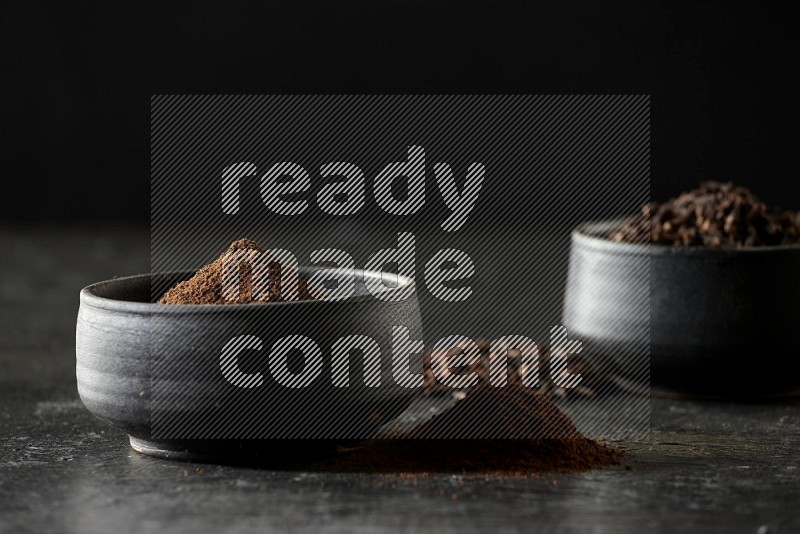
x=714, y=215
x=504, y=412
x=205, y=287
x=510, y=412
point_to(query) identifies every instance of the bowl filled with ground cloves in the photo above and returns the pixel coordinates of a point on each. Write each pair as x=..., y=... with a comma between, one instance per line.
x=192, y=370
x=707, y=284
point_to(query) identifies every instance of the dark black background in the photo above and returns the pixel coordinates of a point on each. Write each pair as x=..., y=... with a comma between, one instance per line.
x=77, y=80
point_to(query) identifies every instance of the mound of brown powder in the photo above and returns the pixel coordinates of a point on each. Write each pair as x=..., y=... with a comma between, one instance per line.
x=596, y=377
x=511, y=412
x=502, y=413
x=517, y=458
x=714, y=215
x=205, y=287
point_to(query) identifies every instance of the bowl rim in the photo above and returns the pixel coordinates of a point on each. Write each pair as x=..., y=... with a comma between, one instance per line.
x=587, y=234
x=88, y=297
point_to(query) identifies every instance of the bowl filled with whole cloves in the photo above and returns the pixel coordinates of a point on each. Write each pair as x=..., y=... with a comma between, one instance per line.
x=699, y=295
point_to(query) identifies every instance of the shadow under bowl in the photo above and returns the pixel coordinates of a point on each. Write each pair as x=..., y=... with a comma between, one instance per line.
x=697, y=321
x=155, y=371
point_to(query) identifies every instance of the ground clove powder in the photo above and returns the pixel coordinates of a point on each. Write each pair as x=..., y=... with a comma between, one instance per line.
x=505, y=413
x=205, y=287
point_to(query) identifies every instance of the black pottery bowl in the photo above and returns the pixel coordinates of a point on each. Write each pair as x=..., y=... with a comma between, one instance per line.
x=718, y=323
x=116, y=327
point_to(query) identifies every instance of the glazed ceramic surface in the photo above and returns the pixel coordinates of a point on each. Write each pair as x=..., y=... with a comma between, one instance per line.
x=138, y=361
x=715, y=322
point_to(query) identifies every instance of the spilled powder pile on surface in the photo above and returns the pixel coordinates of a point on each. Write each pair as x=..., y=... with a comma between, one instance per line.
x=502, y=413
x=518, y=458
x=511, y=412
x=205, y=287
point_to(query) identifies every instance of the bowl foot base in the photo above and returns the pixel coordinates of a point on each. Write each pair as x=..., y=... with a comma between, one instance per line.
x=239, y=452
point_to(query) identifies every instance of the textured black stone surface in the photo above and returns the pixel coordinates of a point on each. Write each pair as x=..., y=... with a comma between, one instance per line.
x=705, y=467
